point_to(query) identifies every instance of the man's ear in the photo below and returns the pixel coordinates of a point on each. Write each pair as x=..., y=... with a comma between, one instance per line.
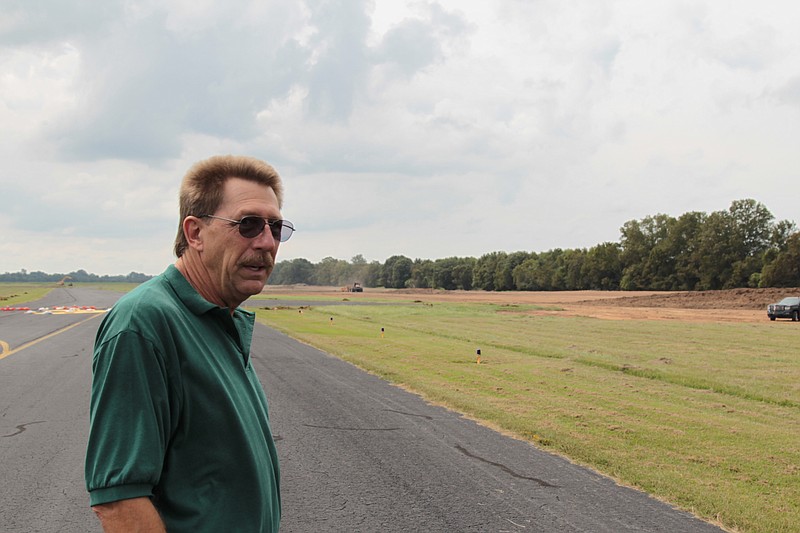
x=193, y=231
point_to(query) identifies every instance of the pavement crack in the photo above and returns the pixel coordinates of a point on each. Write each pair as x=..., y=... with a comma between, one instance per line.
x=22, y=427
x=504, y=468
x=409, y=414
x=351, y=429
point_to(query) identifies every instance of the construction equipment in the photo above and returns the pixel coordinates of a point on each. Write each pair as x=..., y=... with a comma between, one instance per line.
x=356, y=288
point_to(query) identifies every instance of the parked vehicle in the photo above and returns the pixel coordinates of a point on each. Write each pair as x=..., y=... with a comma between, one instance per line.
x=789, y=307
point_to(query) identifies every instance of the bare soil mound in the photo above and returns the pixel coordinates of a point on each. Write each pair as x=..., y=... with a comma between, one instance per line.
x=754, y=299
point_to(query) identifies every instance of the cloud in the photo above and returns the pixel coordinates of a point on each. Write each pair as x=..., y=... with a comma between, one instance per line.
x=339, y=59
x=789, y=93
x=427, y=128
x=154, y=73
x=143, y=85
x=51, y=21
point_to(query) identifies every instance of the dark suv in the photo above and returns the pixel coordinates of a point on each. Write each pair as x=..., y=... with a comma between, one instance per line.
x=789, y=307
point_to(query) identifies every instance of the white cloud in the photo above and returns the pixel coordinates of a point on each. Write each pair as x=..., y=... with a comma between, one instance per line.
x=427, y=128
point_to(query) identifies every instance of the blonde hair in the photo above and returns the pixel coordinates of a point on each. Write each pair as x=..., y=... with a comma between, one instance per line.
x=201, y=190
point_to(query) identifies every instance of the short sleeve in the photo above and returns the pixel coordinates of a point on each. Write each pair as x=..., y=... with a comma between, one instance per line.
x=129, y=419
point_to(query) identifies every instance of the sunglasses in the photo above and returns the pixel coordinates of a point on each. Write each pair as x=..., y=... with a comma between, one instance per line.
x=251, y=227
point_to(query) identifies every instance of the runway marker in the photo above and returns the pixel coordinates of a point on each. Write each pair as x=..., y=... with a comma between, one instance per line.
x=479, y=357
x=381, y=333
x=67, y=310
x=58, y=310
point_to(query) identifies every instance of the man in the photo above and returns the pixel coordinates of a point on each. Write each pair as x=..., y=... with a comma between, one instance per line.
x=179, y=430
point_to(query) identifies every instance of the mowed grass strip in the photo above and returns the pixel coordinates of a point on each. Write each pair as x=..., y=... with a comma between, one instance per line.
x=705, y=416
x=17, y=293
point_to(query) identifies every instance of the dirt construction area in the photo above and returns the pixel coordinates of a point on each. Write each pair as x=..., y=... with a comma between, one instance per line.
x=734, y=305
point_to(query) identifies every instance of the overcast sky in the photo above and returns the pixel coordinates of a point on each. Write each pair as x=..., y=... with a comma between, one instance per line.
x=428, y=129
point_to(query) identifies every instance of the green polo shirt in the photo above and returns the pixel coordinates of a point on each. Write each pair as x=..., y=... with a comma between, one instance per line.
x=178, y=414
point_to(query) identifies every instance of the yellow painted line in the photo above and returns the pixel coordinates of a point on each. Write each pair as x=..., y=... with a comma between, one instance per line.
x=6, y=352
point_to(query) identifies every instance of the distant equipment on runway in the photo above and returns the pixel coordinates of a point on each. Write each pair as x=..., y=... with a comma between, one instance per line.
x=65, y=278
x=356, y=287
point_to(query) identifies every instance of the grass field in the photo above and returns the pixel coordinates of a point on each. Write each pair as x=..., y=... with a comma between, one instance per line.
x=16, y=293
x=705, y=416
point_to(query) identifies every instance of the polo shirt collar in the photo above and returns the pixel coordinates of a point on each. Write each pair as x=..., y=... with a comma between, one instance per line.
x=187, y=294
x=241, y=321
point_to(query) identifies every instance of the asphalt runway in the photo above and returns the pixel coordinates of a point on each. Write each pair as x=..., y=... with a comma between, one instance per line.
x=357, y=454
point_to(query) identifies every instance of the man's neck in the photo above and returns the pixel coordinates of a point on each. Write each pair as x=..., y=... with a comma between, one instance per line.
x=200, y=279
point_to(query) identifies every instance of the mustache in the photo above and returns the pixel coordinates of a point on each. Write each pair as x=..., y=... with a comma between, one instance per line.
x=264, y=260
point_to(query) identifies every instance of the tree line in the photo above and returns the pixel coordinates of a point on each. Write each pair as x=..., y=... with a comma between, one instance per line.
x=78, y=276
x=743, y=246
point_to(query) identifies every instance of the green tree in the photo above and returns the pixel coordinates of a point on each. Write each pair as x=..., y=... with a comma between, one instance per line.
x=422, y=274
x=504, y=270
x=784, y=271
x=529, y=275
x=682, y=242
x=292, y=272
x=781, y=232
x=715, y=253
x=642, y=257
x=732, y=245
x=463, y=273
x=453, y=273
x=371, y=274
x=553, y=270
x=331, y=271
x=356, y=270
x=397, y=271
x=443, y=273
x=602, y=269
x=483, y=274
x=571, y=267
x=752, y=237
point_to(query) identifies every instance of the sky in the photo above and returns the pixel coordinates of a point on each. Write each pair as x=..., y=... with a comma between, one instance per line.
x=429, y=129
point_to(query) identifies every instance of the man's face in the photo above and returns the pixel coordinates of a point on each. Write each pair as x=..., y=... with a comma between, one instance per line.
x=238, y=266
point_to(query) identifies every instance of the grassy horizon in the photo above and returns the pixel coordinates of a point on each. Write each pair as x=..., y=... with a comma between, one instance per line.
x=13, y=293
x=704, y=416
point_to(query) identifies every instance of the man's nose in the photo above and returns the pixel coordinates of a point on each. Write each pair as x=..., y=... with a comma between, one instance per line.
x=265, y=240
